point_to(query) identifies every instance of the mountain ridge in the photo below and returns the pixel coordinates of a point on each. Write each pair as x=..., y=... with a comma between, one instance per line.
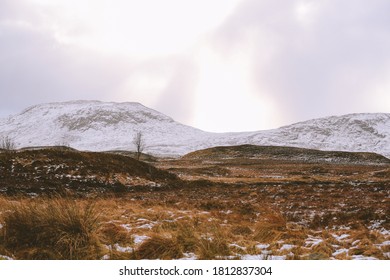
x=98, y=126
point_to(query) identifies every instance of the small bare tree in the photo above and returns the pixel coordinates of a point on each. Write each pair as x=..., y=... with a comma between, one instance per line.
x=7, y=144
x=139, y=143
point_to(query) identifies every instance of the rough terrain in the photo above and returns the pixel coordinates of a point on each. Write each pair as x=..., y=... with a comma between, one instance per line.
x=241, y=202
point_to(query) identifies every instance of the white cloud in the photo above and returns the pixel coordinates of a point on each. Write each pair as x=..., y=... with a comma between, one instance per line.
x=271, y=62
x=225, y=92
x=321, y=59
x=138, y=29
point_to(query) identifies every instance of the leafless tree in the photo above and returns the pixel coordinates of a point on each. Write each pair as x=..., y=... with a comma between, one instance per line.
x=7, y=144
x=139, y=143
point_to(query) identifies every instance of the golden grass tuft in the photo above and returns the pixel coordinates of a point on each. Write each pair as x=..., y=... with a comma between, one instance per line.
x=186, y=236
x=241, y=230
x=367, y=248
x=270, y=228
x=213, y=248
x=112, y=233
x=159, y=247
x=214, y=244
x=296, y=253
x=55, y=229
x=321, y=251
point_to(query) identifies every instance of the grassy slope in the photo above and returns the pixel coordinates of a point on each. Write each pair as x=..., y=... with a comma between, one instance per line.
x=52, y=170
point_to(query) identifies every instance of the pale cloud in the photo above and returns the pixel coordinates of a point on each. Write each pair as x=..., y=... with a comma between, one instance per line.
x=226, y=92
x=314, y=58
x=138, y=29
x=219, y=65
x=108, y=50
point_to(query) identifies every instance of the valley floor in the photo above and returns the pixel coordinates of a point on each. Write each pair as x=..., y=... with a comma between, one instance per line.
x=225, y=209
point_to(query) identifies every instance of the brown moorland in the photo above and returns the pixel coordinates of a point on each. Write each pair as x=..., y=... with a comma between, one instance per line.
x=243, y=202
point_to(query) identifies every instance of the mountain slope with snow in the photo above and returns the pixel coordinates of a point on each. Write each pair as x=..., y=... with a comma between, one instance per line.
x=98, y=126
x=353, y=132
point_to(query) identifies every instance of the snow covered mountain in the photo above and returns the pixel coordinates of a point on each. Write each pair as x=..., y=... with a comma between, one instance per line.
x=353, y=132
x=98, y=126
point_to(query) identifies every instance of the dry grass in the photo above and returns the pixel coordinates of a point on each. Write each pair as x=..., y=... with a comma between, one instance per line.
x=270, y=228
x=228, y=208
x=322, y=251
x=112, y=233
x=55, y=229
x=172, y=226
x=256, y=204
x=214, y=244
x=186, y=237
x=159, y=247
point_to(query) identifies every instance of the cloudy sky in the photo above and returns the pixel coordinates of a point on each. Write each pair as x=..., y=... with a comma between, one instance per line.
x=219, y=65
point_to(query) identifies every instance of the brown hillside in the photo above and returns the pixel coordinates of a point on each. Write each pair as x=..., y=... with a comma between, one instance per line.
x=286, y=154
x=56, y=170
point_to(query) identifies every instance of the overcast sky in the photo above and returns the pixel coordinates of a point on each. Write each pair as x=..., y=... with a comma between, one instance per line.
x=218, y=65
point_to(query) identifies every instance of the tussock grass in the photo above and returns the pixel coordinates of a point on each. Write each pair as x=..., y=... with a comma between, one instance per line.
x=213, y=248
x=186, y=237
x=270, y=228
x=159, y=247
x=296, y=253
x=55, y=229
x=112, y=233
x=214, y=244
x=241, y=230
x=322, y=251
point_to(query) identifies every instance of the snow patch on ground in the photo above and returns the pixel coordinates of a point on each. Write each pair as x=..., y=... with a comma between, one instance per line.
x=126, y=227
x=262, y=246
x=287, y=247
x=123, y=249
x=385, y=243
x=139, y=239
x=340, y=237
x=340, y=251
x=262, y=257
x=188, y=256
x=5, y=257
x=237, y=246
x=312, y=241
x=361, y=257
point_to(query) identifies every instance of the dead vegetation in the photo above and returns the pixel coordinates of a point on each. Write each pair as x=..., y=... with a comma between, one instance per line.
x=53, y=229
x=227, y=208
x=174, y=225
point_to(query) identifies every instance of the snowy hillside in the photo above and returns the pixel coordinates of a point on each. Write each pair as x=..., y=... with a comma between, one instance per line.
x=354, y=132
x=96, y=126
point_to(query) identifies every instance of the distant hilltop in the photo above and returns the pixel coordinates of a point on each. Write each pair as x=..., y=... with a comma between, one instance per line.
x=101, y=126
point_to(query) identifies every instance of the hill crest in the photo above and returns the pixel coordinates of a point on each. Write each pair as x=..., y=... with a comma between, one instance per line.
x=101, y=126
x=283, y=153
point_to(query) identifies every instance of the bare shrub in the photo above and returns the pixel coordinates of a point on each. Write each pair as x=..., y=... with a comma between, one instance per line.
x=139, y=143
x=7, y=144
